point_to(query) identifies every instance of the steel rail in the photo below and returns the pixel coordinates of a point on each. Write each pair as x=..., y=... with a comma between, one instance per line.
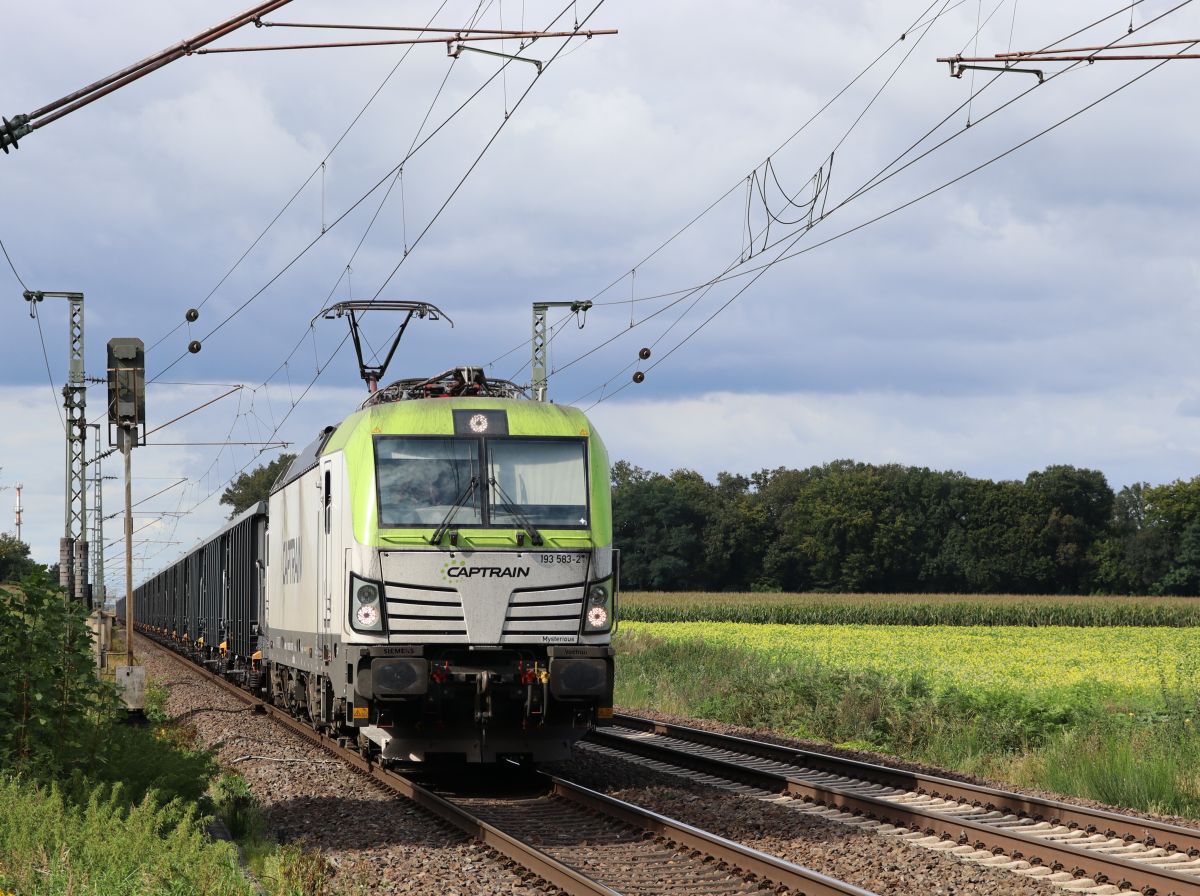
x=1144, y=830
x=1102, y=867
x=527, y=856
x=746, y=859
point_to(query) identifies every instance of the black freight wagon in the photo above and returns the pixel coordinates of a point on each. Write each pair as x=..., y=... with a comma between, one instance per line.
x=212, y=598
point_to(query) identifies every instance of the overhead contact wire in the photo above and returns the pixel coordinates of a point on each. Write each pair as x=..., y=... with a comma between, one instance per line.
x=41, y=337
x=783, y=256
x=487, y=146
x=320, y=167
x=345, y=339
x=866, y=187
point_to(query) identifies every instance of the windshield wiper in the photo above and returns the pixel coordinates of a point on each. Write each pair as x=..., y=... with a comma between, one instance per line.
x=444, y=527
x=534, y=535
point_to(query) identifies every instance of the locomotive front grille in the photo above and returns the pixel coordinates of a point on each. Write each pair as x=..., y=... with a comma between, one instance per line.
x=486, y=597
x=534, y=613
x=420, y=614
x=437, y=617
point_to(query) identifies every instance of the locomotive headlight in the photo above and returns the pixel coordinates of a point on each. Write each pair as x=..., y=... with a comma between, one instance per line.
x=366, y=613
x=597, y=616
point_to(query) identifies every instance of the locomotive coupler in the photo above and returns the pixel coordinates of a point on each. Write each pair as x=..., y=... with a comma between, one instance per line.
x=483, y=696
x=535, y=679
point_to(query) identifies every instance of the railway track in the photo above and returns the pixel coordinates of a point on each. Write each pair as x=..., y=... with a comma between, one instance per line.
x=1078, y=848
x=575, y=839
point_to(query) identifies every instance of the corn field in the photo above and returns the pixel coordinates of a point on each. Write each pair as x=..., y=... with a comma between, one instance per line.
x=910, y=609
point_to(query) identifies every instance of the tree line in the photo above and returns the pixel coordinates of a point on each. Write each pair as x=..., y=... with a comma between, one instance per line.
x=849, y=526
x=15, y=562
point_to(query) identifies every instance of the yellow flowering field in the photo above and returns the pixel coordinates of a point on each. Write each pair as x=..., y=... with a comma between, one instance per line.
x=1111, y=713
x=1031, y=660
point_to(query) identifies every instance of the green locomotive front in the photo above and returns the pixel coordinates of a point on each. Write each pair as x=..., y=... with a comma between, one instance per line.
x=441, y=577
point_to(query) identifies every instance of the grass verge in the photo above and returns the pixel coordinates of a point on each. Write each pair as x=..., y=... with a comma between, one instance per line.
x=1136, y=748
x=282, y=870
x=135, y=823
x=52, y=844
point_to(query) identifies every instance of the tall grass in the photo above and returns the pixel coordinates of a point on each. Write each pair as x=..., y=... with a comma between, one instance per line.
x=1076, y=740
x=133, y=821
x=284, y=870
x=1154, y=767
x=52, y=846
x=908, y=609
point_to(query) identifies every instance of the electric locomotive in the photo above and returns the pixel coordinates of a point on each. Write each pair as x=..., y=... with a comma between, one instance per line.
x=438, y=577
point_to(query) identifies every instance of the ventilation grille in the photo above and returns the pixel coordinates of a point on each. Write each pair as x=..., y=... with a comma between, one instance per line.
x=532, y=614
x=417, y=614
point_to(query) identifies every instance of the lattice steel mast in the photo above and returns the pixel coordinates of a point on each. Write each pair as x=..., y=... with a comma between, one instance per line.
x=73, y=548
x=540, y=343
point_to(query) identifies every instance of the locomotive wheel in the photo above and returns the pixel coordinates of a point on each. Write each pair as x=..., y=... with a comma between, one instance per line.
x=289, y=690
x=312, y=702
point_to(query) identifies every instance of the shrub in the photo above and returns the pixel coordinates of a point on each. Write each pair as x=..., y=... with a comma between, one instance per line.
x=53, y=707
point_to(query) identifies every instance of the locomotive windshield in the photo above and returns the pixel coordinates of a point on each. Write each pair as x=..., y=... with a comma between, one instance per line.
x=422, y=480
x=543, y=481
x=429, y=482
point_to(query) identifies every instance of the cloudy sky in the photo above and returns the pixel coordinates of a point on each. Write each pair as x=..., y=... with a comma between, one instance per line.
x=1043, y=309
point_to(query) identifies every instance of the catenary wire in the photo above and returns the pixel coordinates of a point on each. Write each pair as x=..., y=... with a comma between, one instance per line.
x=41, y=337
x=12, y=266
x=322, y=366
x=320, y=167
x=786, y=254
x=507, y=117
x=727, y=274
x=885, y=173
x=397, y=171
x=919, y=22
x=386, y=177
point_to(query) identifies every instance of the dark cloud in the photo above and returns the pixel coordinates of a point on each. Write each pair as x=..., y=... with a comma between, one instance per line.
x=1060, y=283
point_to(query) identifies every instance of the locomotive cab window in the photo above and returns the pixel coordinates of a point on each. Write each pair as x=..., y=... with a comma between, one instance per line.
x=423, y=481
x=543, y=481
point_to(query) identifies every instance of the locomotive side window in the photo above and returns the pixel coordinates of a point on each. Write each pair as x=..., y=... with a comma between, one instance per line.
x=421, y=481
x=328, y=503
x=541, y=480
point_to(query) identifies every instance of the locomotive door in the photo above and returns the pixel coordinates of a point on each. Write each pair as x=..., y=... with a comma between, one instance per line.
x=326, y=567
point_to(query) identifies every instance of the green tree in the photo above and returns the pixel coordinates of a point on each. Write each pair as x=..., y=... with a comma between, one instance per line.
x=849, y=526
x=1003, y=547
x=254, y=486
x=1137, y=552
x=659, y=523
x=14, y=559
x=778, y=491
x=736, y=534
x=1079, y=506
x=1174, y=510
